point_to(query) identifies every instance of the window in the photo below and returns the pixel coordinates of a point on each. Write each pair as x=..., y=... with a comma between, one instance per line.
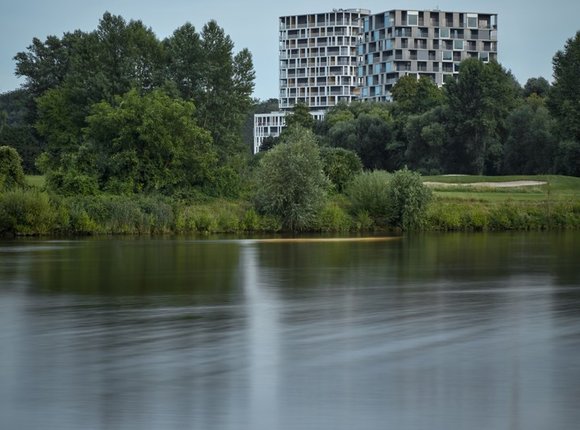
x=458, y=45
x=412, y=18
x=366, y=24
x=447, y=55
x=389, y=67
x=471, y=20
x=444, y=33
x=377, y=69
x=360, y=71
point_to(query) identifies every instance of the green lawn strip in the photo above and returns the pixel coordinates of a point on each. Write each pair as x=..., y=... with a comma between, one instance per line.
x=558, y=188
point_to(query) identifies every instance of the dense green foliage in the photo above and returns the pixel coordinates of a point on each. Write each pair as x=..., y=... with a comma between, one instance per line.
x=340, y=165
x=122, y=111
x=397, y=200
x=136, y=135
x=408, y=198
x=11, y=173
x=147, y=143
x=564, y=103
x=553, y=206
x=290, y=182
x=480, y=122
x=368, y=195
x=16, y=128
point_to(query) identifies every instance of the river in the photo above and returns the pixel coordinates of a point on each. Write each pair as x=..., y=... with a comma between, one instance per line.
x=450, y=331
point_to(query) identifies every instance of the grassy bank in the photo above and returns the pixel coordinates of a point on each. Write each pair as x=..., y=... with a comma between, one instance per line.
x=555, y=205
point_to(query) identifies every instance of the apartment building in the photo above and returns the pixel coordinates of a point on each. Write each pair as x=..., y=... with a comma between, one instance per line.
x=318, y=58
x=351, y=54
x=318, y=65
x=420, y=43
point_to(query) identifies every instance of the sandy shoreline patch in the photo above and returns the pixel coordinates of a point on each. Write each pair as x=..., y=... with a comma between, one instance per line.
x=509, y=184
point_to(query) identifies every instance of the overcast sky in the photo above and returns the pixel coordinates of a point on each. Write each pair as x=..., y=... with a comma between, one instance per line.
x=528, y=34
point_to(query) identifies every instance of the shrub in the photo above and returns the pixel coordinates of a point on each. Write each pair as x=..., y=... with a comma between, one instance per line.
x=26, y=212
x=250, y=221
x=363, y=221
x=368, y=193
x=407, y=199
x=11, y=173
x=332, y=218
x=444, y=217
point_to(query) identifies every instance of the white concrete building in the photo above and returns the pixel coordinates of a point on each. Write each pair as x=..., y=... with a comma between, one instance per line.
x=271, y=125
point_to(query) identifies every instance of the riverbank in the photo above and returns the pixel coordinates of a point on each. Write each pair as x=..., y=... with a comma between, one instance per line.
x=553, y=205
x=36, y=213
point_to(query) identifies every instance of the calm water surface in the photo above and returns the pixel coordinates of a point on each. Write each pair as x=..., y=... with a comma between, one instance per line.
x=431, y=332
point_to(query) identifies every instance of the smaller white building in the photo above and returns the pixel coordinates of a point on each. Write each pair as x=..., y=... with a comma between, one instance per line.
x=271, y=125
x=267, y=125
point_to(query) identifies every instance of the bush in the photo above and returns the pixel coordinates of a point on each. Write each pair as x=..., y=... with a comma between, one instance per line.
x=332, y=218
x=250, y=221
x=11, y=173
x=444, y=217
x=27, y=213
x=407, y=200
x=368, y=193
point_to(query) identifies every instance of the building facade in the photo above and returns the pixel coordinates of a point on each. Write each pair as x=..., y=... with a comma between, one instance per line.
x=351, y=54
x=318, y=65
x=431, y=43
x=318, y=58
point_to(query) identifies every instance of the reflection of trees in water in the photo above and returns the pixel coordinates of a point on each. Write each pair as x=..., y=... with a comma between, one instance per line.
x=423, y=269
x=140, y=266
x=456, y=257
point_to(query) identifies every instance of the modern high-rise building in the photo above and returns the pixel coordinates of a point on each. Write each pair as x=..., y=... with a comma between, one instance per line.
x=318, y=58
x=318, y=65
x=431, y=43
x=351, y=54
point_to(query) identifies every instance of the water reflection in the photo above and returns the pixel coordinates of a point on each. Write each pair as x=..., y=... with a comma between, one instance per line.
x=438, y=332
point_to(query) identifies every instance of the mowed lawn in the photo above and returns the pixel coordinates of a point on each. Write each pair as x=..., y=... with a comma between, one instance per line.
x=560, y=188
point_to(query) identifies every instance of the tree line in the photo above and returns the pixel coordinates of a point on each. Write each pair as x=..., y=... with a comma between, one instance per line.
x=480, y=122
x=118, y=110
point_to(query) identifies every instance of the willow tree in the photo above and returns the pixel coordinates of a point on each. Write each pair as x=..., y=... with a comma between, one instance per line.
x=290, y=180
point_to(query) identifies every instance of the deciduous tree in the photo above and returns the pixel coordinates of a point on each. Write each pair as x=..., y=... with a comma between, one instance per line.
x=290, y=181
x=564, y=99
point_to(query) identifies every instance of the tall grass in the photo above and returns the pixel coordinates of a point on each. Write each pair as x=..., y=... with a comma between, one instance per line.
x=27, y=212
x=512, y=215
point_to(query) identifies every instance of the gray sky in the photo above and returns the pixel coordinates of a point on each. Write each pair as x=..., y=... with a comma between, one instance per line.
x=528, y=35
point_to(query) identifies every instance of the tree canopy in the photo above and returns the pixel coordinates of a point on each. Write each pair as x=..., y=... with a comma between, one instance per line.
x=290, y=180
x=107, y=77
